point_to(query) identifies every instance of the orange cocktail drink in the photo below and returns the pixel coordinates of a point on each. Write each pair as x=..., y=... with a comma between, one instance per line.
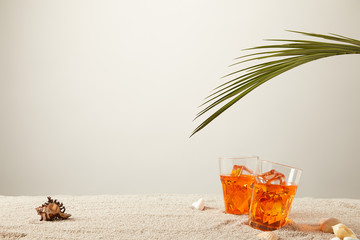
x=237, y=178
x=237, y=193
x=273, y=194
x=271, y=205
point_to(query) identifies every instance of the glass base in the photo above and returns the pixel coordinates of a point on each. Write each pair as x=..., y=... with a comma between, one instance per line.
x=262, y=227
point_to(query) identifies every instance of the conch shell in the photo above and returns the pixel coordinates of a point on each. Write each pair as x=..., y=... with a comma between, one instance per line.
x=268, y=236
x=327, y=223
x=341, y=231
x=52, y=210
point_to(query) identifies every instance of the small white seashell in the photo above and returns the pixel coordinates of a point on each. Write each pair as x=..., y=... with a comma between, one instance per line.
x=267, y=236
x=350, y=238
x=343, y=231
x=200, y=204
x=327, y=223
x=335, y=238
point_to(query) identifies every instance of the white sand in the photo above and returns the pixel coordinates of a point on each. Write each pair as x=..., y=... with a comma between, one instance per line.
x=161, y=216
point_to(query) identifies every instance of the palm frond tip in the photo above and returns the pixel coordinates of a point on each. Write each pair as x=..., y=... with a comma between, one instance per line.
x=292, y=53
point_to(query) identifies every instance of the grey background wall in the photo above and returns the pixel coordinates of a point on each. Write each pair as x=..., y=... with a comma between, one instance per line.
x=98, y=97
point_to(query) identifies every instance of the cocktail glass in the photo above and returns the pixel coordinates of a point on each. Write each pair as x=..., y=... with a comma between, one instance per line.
x=274, y=189
x=237, y=178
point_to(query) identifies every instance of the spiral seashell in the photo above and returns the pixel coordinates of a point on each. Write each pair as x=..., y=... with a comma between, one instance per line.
x=268, y=236
x=327, y=223
x=341, y=231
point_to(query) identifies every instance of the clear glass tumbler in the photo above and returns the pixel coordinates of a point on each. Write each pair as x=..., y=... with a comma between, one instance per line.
x=274, y=189
x=237, y=178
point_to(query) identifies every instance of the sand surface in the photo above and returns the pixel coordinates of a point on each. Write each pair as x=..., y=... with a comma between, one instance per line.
x=161, y=216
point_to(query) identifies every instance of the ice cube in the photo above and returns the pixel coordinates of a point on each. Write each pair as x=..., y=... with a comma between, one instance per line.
x=238, y=170
x=272, y=177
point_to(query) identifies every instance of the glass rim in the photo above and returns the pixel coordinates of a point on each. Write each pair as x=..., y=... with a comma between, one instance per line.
x=240, y=157
x=280, y=164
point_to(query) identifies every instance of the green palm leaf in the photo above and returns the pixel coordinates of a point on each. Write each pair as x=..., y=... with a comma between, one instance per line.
x=292, y=53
